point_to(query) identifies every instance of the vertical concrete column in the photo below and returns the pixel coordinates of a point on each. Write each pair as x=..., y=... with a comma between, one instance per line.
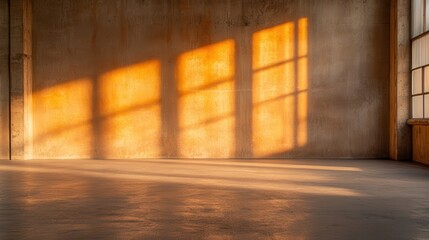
x=4, y=79
x=20, y=79
x=400, y=79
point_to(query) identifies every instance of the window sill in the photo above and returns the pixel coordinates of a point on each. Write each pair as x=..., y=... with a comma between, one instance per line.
x=418, y=121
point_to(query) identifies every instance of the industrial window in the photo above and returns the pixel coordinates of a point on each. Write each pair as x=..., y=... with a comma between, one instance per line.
x=420, y=58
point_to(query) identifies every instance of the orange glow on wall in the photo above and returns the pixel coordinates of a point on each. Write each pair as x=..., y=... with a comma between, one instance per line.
x=130, y=111
x=273, y=46
x=62, y=128
x=302, y=102
x=302, y=37
x=118, y=113
x=205, y=81
x=302, y=88
x=273, y=116
x=279, y=115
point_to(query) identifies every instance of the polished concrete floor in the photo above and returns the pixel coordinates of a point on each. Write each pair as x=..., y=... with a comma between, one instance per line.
x=213, y=199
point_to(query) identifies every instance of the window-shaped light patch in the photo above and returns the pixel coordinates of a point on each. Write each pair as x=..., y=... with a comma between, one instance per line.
x=417, y=106
x=302, y=83
x=130, y=112
x=280, y=85
x=273, y=88
x=62, y=120
x=417, y=17
x=273, y=46
x=205, y=81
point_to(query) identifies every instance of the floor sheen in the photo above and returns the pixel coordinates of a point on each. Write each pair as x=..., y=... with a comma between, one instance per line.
x=213, y=199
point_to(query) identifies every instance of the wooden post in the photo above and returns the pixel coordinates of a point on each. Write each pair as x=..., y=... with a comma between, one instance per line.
x=400, y=79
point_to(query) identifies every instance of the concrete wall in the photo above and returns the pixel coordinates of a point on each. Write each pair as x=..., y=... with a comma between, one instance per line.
x=4, y=79
x=215, y=78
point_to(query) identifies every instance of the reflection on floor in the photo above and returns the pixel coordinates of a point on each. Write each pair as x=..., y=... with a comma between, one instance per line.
x=213, y=199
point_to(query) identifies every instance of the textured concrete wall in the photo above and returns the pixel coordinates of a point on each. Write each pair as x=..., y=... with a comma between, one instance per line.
x=4, y=79
x=215, y=78
x=20, y=79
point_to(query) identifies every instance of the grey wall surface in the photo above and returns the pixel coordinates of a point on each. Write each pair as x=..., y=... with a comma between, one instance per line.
x=4, y=79
x=341, y=112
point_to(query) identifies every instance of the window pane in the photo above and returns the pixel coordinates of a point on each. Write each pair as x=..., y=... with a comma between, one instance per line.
x=418, y=106
x=417, y=81
x=427, y=106
x=414, y=47
x=426, y=83
x=427, y=15
x=420, y=52
x=417, y=17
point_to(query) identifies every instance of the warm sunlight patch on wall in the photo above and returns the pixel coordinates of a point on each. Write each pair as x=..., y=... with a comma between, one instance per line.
x=130, y=112
x=302, y=83
x=279, y=116
x=62, y=125
x=206, y=101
